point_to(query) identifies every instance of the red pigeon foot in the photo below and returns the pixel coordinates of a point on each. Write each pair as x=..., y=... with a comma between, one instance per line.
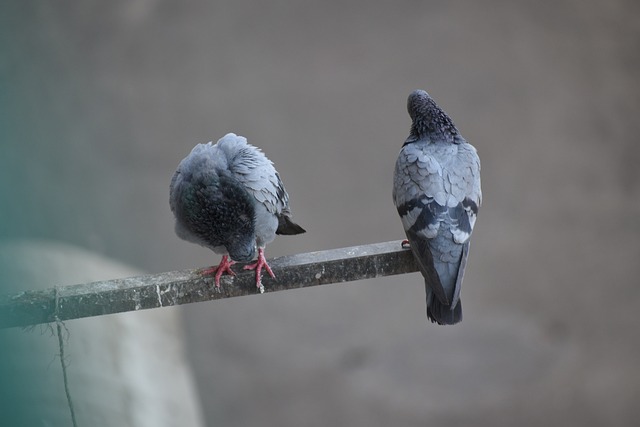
x=222, y=268
x=259, y=264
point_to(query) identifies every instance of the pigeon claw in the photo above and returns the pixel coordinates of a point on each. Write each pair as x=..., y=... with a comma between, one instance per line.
x=405, y=244
x=258, y=266
x=222, y=268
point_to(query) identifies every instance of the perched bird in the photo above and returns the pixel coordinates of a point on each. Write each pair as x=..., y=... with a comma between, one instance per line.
x=436, y=189
x=229, y=198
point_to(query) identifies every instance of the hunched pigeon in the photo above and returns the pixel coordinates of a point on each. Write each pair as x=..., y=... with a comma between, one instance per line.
x=436, y=189
x=229, y=198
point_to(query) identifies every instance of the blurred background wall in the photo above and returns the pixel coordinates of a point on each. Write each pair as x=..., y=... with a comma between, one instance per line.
x=99, y=101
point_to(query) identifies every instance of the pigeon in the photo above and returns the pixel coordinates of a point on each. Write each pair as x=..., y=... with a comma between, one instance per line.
x=436, y=190
x=229, y=198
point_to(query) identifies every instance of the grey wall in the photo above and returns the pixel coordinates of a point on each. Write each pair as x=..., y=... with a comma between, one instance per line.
x=100, y=101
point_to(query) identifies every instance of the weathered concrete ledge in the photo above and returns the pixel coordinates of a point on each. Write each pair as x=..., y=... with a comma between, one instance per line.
x=189, y=286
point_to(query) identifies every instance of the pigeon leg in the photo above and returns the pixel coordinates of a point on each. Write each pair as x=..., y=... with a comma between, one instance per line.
x=405, y=244
x=259, y=264
x=223, y=267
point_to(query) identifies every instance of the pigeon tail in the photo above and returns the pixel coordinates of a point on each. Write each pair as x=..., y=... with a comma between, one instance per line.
x=444, y=314
x=287, y=227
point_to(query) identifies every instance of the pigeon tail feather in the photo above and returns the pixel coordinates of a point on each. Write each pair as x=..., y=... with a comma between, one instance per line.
x=444, y=314
x=287, y=227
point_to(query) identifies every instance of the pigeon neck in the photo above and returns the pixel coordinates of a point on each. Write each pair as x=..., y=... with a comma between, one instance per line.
x=438, y=127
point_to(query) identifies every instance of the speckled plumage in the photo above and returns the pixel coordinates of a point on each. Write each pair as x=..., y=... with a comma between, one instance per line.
x=229, y=198
x=437, y=193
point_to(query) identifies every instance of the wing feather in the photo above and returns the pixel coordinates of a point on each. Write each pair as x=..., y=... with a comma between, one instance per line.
x=256, y=172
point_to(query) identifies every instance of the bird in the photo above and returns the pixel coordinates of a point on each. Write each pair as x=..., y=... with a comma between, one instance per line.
x=437, y=192
x=228, y=197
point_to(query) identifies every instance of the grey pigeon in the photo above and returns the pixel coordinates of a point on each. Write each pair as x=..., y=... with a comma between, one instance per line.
x=436, y=189
x=229, y=198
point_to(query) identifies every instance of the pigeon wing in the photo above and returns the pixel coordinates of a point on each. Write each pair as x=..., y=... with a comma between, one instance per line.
x=464, y=178
x=256, y=172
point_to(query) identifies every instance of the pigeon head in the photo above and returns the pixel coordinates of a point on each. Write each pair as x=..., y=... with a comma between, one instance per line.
x=429, y=121
x=241, y=246
x=234, y=224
